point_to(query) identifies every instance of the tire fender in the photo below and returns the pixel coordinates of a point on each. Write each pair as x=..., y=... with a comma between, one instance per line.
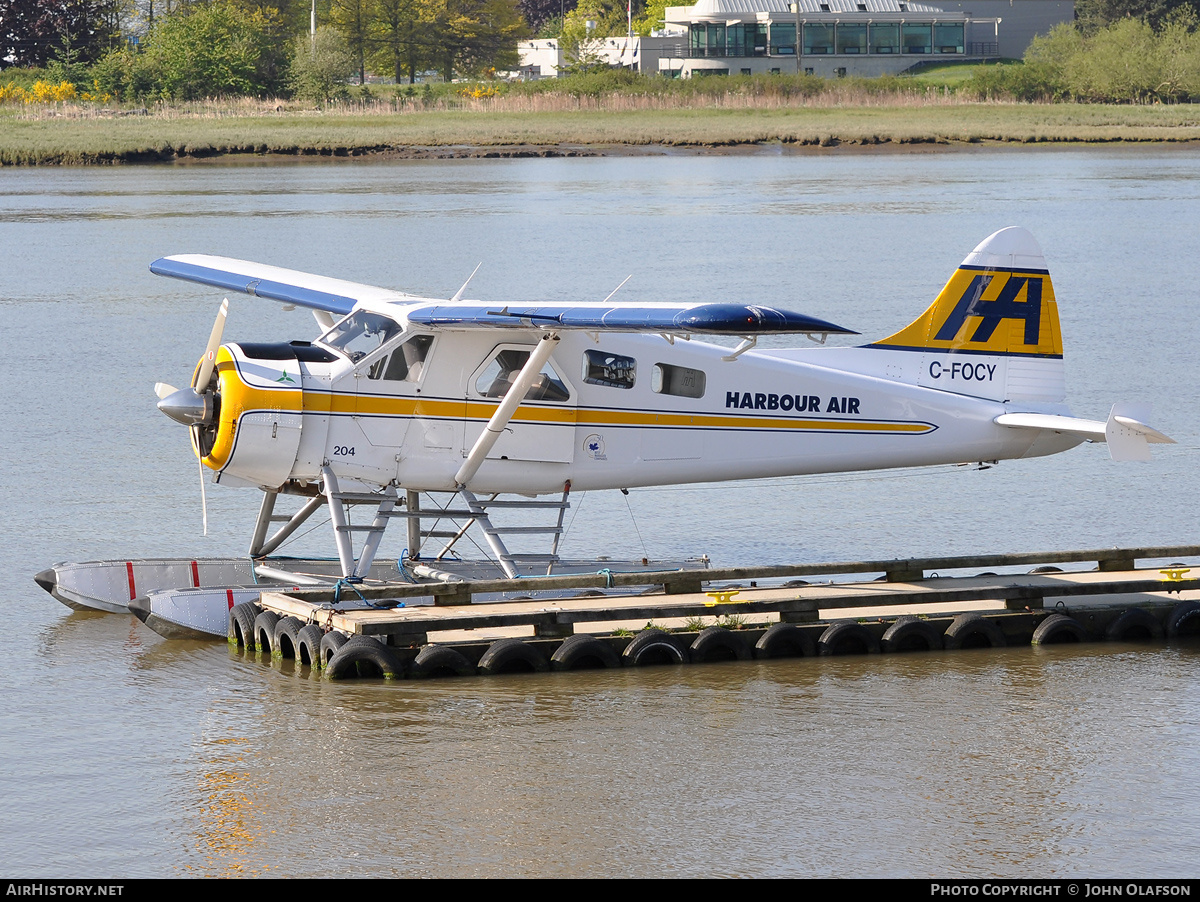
x=716, y=643
x=973, y=631
x=1134, y=625
x=584, y=652
x=847, y=638
x=512, y=656
x=1184, y=620
x=264, y=630
x=654, y=647
x=785, y=640
x=241, y=623
x=283, y=644
x=1059, y=629
x=331, y=642
x=440, y=661
x=910, y=633
x=364, y=657
x=308, y=645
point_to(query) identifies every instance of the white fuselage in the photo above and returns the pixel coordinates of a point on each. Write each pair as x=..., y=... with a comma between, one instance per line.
x=614, y=411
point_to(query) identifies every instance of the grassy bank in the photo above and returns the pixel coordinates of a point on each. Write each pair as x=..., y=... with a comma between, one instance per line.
x=536, y=124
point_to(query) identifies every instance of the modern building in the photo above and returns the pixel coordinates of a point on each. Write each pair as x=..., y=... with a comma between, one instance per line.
x=820, y=37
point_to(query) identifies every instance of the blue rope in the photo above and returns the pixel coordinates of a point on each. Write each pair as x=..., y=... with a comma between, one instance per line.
x=608, y=577
x=347, y=581
x=402, y=568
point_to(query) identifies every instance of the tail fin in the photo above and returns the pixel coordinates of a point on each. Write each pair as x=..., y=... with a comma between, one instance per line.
x=993, y=331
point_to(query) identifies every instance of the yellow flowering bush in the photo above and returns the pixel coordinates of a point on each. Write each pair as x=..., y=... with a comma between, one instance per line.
x=48, y=92
x=480, y=92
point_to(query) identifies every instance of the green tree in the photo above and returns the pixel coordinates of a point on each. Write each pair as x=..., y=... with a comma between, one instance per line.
x=321, y=66
x=652, y=16
x=352, y=18
x=1094, y=15
x=210, y=50
x=581, y=44
x=34, y=33
x=399, y=37
x=476, y=37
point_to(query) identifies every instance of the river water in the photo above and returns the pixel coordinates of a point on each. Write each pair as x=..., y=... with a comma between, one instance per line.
x=127, y=755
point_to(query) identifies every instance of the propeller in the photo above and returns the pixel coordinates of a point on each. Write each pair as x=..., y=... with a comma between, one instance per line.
x=194, y=406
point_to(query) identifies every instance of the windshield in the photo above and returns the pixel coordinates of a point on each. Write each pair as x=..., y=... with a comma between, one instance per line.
x=361, y=333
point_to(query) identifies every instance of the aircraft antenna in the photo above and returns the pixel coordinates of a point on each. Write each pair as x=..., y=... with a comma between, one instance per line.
x=618, y=288
x=458, y=294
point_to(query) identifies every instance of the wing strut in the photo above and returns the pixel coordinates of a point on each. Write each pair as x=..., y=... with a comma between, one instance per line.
x=512, y=400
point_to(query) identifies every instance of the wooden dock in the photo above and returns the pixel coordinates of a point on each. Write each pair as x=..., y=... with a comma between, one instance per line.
x=740, y=606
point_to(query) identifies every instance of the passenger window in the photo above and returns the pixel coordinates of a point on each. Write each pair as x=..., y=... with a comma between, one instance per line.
x=503, y=370
x=613, y=370
x=376, y=369
x=678, y=380
x=405, y=364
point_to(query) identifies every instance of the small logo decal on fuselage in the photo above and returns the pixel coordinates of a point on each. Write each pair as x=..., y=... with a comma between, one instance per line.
x=594, y=445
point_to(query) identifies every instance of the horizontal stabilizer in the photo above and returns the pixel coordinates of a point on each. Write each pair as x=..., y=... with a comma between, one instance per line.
x=709, y=319
x=1128, y=437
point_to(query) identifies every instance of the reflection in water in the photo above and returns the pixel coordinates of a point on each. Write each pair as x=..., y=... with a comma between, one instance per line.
x=226, y=812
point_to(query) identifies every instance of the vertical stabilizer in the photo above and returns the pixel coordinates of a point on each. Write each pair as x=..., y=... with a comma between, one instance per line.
x=993, y=331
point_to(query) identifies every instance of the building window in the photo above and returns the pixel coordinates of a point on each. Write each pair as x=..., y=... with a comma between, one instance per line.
x=745, y=71
x=885, y=38
x=818, y=39
x=707, y=39
x=612, y=370
x=948, y=38
x=852, y=38
x=917, y=38
x=783, y=39
x=775, y=71
x=840, y=71
x=682, y=381
x=808, y=70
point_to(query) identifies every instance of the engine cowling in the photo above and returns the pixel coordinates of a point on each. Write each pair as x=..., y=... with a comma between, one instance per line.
x=254, y=431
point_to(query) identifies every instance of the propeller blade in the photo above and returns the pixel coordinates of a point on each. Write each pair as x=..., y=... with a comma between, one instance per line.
x=203, y=494
x=200, y=383
x=162, y=390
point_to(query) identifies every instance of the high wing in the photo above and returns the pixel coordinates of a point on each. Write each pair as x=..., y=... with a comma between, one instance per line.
x=340, y=297
x=274, y=282
x=714, y=319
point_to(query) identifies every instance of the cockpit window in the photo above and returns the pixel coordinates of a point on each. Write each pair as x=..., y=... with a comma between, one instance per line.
x=502, y=371
x=361, y=333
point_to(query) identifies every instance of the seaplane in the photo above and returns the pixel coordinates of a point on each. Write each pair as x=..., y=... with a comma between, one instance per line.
x=509, y=406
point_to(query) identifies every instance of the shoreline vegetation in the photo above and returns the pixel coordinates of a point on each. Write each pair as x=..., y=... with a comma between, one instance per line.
x=214, y=78
x=738, y=119
x=220, y=78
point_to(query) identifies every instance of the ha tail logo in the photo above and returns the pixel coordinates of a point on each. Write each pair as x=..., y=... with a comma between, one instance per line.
x=1000, y=301
x=993, y=331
